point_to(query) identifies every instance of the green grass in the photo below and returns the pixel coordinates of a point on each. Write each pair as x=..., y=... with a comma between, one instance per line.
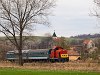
x=13, y=71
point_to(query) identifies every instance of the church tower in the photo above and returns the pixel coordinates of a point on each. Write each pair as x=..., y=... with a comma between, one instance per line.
x=55, y=39
x=54, y=36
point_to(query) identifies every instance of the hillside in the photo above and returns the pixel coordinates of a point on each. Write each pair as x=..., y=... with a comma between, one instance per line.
x=84, y=36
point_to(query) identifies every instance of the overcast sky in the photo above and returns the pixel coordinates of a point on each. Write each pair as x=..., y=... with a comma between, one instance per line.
x=71, y=17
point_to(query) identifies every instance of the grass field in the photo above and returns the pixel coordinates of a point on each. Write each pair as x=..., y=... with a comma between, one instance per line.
x=38, y=68
x=14, y=71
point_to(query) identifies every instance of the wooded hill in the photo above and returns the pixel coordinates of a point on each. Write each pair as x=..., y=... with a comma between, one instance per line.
x=84, y=36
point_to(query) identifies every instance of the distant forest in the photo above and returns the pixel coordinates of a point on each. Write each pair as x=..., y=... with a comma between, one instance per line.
x=83, y=36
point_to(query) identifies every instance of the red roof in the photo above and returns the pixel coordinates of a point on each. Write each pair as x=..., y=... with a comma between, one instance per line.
x=86, y=41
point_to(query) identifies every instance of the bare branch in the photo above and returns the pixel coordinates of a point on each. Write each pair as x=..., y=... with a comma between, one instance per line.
x=18, y=16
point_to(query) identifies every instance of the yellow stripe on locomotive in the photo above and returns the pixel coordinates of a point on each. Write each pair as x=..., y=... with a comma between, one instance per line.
x=64, y=55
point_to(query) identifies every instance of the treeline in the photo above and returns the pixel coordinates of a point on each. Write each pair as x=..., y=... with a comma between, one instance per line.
x=38, y=42
x=84, y=36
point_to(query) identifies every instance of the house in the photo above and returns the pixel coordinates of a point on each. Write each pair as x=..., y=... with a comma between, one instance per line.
x=88, y=44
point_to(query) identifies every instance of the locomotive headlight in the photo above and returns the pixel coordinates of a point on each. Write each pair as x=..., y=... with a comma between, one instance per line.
x=64, y=55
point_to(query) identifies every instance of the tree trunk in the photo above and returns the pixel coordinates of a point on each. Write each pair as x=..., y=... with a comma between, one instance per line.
x=20, y=49
x=20, y=58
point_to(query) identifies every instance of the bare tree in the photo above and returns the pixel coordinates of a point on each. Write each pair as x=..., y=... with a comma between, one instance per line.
x=19, y=16
x=97, y=9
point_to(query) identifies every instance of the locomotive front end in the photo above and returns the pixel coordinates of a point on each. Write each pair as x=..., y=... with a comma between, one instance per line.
x=64, y=55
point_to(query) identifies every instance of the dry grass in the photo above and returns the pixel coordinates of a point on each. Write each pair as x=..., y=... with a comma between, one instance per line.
x=75, y=66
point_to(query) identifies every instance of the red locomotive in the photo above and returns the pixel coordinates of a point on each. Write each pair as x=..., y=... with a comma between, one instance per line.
x=59, y=54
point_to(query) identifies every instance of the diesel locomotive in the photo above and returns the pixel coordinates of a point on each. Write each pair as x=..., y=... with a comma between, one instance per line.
x=55, y=54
